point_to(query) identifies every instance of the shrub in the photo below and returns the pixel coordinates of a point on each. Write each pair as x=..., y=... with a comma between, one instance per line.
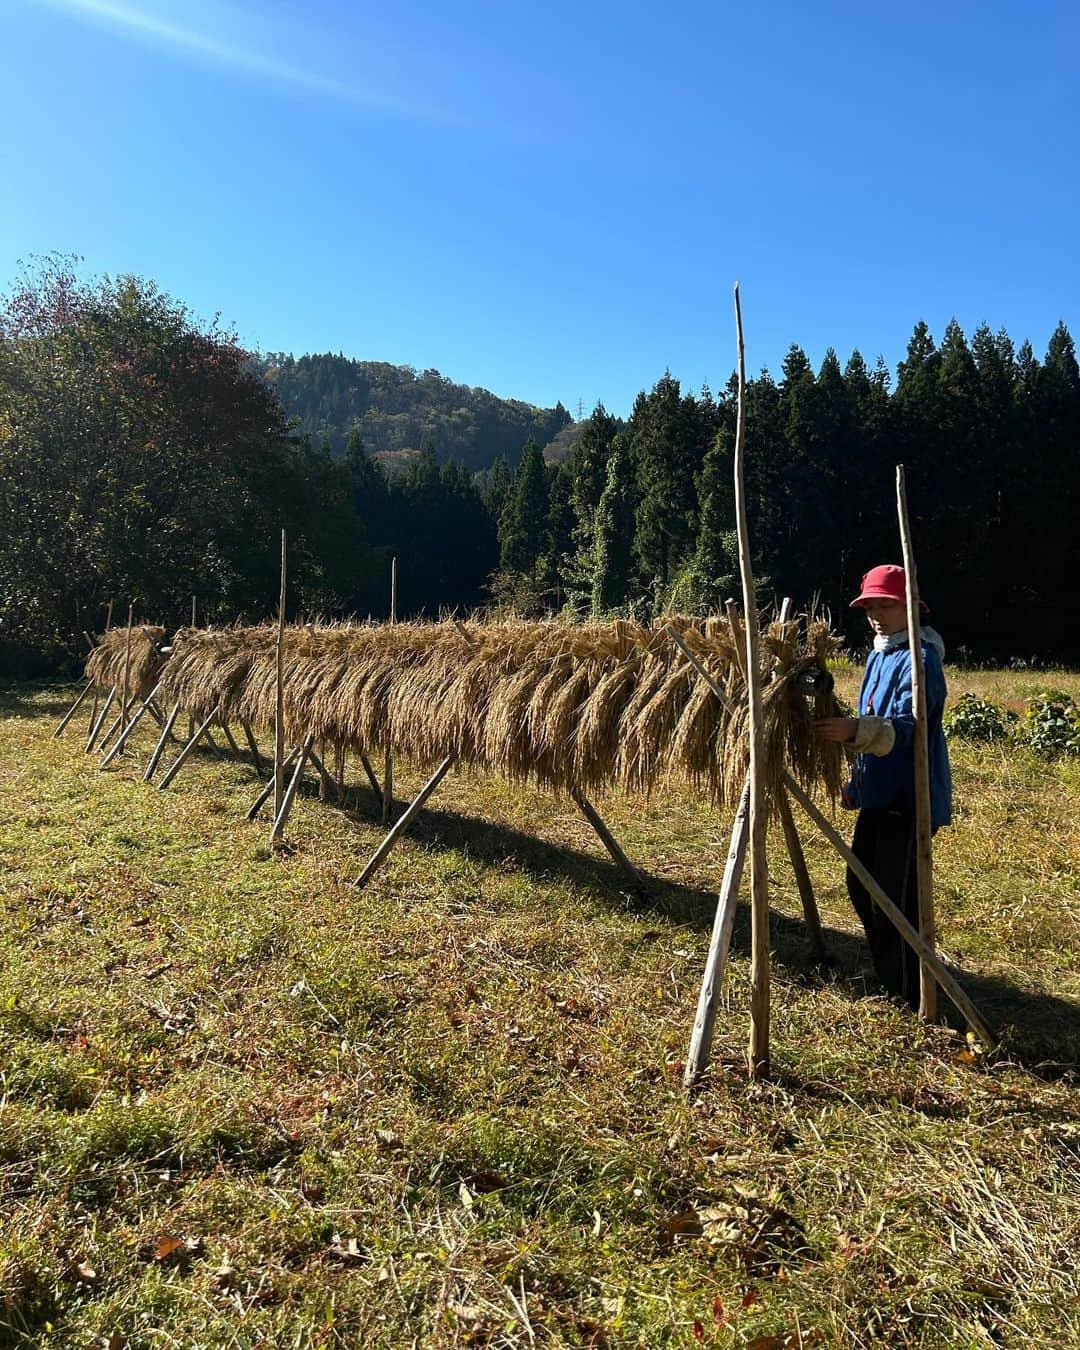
x=976, y=719
x=1051, y=724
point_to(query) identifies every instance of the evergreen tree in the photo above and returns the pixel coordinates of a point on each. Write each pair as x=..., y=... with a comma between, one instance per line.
x=613, y=534
x=524, y=519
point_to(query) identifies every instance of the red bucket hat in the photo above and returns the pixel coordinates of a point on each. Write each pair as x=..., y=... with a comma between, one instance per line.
x=887, y=582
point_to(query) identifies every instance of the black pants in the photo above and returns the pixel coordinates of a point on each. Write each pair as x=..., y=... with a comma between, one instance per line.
x=885, y=843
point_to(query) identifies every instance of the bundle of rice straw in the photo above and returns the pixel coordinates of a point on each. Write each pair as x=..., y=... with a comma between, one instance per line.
x=589, y=707
x=105, y=664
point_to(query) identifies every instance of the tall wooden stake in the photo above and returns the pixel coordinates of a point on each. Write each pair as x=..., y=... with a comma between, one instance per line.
x=191, y=720
x=758, y=1056
x=127, y=669
x=924, y=854
x=388, y=766
x=279, y=718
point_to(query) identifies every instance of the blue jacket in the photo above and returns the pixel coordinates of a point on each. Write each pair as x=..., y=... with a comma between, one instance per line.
x=889, y=780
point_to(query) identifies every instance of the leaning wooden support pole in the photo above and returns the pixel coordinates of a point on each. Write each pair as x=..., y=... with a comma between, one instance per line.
x=701, y=1038
x=758, y=1051
x=182, y=757
x=229, y=737
x=88, y=689
x=327, y=786
x=815, y=940
x=896, y=916
x=403, y=822
x=606, y=837
x=924, y=848
x=264, y=796
x=121, y=740
x=375, y=785
x=279, y=717
x=253, y=746
x=114, y=726
x=95, y=729
x=163, y=740
x=281, y=819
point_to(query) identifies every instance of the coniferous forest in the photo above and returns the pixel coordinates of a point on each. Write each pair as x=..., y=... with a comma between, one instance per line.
x=145, y=456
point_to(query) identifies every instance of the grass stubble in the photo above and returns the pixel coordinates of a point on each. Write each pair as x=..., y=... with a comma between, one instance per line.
x=243, y=1104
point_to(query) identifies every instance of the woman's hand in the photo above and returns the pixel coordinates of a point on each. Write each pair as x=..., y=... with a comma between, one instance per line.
x=840, y=729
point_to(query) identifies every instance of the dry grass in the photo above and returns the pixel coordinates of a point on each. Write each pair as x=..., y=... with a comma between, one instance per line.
x=447, y=1111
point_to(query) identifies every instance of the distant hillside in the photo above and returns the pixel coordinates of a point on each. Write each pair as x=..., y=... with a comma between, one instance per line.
x=398, y=410
x=560, y=446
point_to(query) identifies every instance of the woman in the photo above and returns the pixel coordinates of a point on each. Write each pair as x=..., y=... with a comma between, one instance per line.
x=882, y=786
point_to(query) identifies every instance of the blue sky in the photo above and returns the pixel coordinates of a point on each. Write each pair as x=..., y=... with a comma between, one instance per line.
x=553, y=201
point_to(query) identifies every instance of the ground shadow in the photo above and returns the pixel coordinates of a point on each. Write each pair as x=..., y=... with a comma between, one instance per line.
x=1038, y=1030
x=44, y=699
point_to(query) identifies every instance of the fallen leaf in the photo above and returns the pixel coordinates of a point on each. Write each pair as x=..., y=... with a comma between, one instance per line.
x=85, y=1272
x=166, y=1245
x=750, y=1297
x=686, y=1223
x=699, y=1330
x=718, y=1313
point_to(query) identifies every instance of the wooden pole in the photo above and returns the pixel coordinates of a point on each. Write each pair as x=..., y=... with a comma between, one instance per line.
x=229, y=737
x=253, y=747
x=121, y=740
x=896, y=917
x=74, y=709
x=279, y=718
x=184, y=753
x=701, y=1038
x=127, y=668
x=892, y=913
x=327, y=786
x=403, y=822
x=264, y=796
x=108, y=617
x=815, y=940
x=388, y=765
x=159, y=749
x=375, y=786
x=924, y=849
x=191, y=720
x=294, y=782
x=607, y=838
x=96, y=728
x=758, y=1055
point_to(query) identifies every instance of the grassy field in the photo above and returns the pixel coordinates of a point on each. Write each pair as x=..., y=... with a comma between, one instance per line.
x=243, y=1104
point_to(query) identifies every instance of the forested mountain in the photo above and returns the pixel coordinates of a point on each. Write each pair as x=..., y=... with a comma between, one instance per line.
x=397, y=409
x=142, y=459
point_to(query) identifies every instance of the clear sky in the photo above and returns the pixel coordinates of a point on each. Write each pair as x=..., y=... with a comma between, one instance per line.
x=553, y=200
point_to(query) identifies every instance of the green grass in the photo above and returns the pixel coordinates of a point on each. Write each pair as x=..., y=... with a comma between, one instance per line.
x=243, y=1104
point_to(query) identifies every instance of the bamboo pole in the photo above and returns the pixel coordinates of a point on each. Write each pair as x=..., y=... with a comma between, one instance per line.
x=127, y=668
x=159, y=749
x=758, y=1053
x=388, y=764
x=290, y=792
x=279, y=718
x=73, y=709
x=229, y=737
x=403, y=822
x=701, y=1038
x=181, y=758
x=895, y=915
x=924, y=849
x=96, y=728
x=264, y=796
x=607, y=838
x=194, y=617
